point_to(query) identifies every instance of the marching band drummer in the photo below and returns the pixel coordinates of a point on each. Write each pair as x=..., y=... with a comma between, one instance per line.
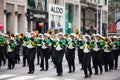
x=87, y=57
x=45, y=54
x=31, y=51
x=70, y=54
x=59, y=45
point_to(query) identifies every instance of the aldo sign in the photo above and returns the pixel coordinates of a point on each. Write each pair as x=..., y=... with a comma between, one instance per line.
x=56, y=18
x=56, y=9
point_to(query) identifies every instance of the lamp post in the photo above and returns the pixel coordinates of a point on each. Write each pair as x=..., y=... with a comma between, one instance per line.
x=97, y=18
x=74, y=19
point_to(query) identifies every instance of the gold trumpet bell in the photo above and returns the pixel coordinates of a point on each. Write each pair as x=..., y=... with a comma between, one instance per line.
x=76, y=31
x=49, y=32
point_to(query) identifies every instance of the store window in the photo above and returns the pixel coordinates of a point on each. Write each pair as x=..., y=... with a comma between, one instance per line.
x=105, y=2
x=42, y=5
x=31, y=4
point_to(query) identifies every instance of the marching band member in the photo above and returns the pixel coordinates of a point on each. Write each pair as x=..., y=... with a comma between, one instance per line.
x=107, y=54
x=11, y=54
x=40, y=36
x=24, y=48
x=87, y=57
x=81, y=43
x=59, y=45
x=19, y=41
x=115, y=51
x=31, y=51
x=45, y=54
x=70, y=55
x=3, y=49
x=97, y=57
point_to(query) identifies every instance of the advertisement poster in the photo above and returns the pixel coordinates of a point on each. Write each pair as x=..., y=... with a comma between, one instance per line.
x=117, y=17
x=56, y=18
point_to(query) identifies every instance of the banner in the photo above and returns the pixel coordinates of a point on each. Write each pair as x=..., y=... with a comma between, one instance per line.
x=38, y=16
x=56, y=17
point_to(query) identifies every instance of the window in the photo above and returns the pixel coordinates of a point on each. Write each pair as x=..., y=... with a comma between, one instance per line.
x=56, y=1
x=105, y=2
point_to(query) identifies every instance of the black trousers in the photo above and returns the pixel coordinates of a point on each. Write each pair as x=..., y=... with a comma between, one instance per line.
x=108, y=59
x=80, y=56
x=70, y=55
x=3, y=54
x=17, y=50
x=11, y=60
x=58, y=61
x=31, y=58
x=45, y=55
x=38, y=54
x=97, y=57
x=25, y=60
x=115, y=60
x=87, y=63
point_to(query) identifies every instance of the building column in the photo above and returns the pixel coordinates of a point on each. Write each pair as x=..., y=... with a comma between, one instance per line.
x=4, y=24
x=101, y=21
x=31, y=24
x=78, y=17
x=16, y=20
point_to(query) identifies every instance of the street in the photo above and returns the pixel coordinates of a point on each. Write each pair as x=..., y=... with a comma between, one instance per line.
x=20, y=73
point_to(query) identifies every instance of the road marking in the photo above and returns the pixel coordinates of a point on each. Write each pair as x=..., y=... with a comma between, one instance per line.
x=69, y=79
x=6, y=76
x=22, y=78
x=46, y=79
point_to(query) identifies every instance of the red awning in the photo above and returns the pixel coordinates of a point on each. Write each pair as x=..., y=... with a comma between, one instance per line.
x=1, y=26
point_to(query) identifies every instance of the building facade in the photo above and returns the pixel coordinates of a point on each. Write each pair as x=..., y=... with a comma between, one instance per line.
x=78, y=14
x=94, y=14
x=12, y=15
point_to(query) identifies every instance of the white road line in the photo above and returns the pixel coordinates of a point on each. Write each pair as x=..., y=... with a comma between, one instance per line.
x=46, y=79
x=6, y=76
x=69, y=79
x=22, y=78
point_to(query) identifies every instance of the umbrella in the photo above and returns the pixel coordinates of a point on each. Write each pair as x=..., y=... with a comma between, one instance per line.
x=1, y=26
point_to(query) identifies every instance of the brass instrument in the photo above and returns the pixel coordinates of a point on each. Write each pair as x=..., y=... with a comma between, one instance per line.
x=33, y=43
x=27, y=42
x=77, y=33
x=51, y=33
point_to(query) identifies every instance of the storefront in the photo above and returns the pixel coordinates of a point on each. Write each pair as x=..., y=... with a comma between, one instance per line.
x=56, y=18
x=88, y=19
x=40, y=20
x=69, y=17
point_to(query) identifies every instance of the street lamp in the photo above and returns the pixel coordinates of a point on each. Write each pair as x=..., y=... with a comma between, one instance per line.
x=74, y=15
x=97, y=17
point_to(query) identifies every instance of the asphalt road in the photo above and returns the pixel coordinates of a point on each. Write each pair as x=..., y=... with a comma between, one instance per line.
x=20, y=73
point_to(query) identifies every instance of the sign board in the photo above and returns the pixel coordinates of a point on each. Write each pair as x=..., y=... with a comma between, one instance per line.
x=56, y=17
x=117, y=17
x=38, y=16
